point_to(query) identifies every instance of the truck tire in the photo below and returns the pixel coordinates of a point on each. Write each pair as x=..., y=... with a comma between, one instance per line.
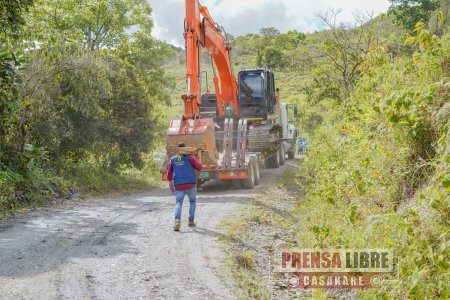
x=291, y=154
x=257, y=173
x=250, y=182
x=200, y=183
x=236, y=184
x=282, y=154
x=273, y=162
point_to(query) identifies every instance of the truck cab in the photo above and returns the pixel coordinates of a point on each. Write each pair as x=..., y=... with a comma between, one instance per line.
x=289, y=130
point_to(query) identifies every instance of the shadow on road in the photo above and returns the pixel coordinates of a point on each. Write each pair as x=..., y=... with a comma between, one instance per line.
x=216, y=235
x=44, y=243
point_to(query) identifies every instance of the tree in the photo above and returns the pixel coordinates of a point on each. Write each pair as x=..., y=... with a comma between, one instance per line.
x=289, y=40
x=96, y=24
x=269, y=31
x=11, y=16
x=258, y=44
x=272, y=57
x=94, y=86
x=230, y=38
x=409, y=12
x=11, y=21
x=345, y=47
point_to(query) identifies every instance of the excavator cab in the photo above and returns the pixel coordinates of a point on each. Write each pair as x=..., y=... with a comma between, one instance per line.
x=257, y=96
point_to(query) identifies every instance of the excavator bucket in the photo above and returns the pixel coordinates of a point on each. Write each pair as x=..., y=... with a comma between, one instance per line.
x=198, y=134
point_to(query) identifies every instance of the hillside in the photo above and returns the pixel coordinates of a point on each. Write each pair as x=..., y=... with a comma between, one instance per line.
x=298, y=59
x=377, y=171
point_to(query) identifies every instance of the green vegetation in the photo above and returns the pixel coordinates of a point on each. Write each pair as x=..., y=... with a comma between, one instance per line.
x=81, y=97
x=409, y=12
x=240, y=262
x=377, y=174
x=251, y=237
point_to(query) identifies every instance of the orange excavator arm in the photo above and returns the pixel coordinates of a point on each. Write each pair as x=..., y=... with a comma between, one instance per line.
x=202, y=31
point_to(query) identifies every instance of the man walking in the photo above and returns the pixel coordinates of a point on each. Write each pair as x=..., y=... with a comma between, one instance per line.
x=301, y=145
x=181, y=173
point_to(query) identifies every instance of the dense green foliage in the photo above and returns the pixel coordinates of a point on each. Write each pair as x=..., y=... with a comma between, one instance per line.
x=85, y=105
x=379, y=168
x=409, y=12
x=434, y=13
x=12, y=17
x=377, y=174
x=271, y=48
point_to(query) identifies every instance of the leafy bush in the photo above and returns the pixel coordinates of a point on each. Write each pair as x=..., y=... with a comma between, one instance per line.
x=81, y=97
x=377, y=173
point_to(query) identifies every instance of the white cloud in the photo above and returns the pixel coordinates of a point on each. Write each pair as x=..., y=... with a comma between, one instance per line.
x=239, y=17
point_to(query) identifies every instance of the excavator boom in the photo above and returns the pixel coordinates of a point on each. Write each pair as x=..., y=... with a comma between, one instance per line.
x=202, y=32
x=242, y=114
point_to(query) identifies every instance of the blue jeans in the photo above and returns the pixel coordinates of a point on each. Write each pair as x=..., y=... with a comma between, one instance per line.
x=179, y=196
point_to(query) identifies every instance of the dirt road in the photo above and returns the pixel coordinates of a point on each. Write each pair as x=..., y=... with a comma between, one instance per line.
x=122, y=248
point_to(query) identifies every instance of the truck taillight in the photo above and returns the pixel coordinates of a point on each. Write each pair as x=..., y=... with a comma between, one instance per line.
x=233, y=175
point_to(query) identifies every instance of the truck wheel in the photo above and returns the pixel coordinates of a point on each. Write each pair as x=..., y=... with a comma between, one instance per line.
x=236, y=184
x=291, y=154
x=257, y=173
x=274, y=161
x=200, y=183
x=249, y=183
x=282, y=154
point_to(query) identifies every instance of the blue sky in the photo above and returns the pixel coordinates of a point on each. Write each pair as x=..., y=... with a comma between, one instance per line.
x=239, y=17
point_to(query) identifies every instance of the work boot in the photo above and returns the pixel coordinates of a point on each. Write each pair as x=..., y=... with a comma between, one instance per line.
x=191, y=223
x=177, y=225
